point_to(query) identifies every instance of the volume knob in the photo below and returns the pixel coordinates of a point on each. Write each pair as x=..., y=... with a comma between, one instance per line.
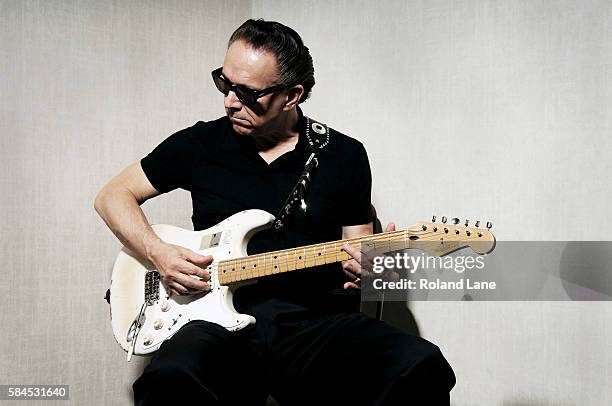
x=165, y=306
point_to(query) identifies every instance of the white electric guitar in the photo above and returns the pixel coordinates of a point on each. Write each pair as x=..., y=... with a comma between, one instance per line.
x=144, y=314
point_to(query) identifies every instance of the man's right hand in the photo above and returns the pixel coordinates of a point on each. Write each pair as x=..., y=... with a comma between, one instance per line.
x=181, y=269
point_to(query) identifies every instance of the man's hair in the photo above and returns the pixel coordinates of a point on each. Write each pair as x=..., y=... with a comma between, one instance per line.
x=292, y=56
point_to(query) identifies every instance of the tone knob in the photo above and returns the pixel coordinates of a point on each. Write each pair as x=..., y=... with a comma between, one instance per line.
x=158, y=324
x=148, y=340
x=165, y=306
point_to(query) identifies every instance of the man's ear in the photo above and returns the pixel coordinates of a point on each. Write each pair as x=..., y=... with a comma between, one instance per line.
x=294, y=94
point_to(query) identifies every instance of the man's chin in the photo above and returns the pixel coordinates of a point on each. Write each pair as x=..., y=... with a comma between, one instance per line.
x=241, y=126
x=242, y=130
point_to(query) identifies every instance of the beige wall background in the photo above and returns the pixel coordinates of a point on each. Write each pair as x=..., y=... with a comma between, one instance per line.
x=88, y=87
x=490, y=110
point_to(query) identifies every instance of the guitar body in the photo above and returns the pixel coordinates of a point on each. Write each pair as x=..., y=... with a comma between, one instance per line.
x=144, y=315
x=136, y=288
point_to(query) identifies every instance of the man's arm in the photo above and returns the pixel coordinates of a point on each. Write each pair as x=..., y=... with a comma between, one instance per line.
x=352, y=267
x=118, y=203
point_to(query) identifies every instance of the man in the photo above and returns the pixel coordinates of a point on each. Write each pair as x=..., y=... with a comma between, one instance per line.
x=310, y=344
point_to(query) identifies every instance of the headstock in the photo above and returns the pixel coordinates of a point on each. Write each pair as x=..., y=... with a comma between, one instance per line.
x=438, y=239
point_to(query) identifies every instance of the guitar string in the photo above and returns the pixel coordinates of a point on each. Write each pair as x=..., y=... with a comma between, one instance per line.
x=308, y=251
x=314, y=251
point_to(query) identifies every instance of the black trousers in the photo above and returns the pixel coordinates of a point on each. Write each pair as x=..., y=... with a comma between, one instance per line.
x=301, y=359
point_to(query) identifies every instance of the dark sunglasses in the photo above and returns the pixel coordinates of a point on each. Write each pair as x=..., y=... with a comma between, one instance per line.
x=247, y=96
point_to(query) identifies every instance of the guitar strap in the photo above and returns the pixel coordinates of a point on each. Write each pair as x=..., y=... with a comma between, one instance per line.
x=317, y=136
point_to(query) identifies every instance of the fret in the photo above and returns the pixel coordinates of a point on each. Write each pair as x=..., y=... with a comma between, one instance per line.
x=232, y=271
x=336, y=250
x=314, y=256
x=242, y=270
x=321, y=254
x=287, y=261
x=236, y=271
x=280, y=263
x=295, y=262
x=324, y=254
x=270, y=265
x=305, y=258
x=219, y=273
x=312, y=261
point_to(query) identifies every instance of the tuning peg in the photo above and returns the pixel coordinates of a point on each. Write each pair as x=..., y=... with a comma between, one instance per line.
x=489, y=225
x=477, y=223
x=444, y=219
x=455, y=220
x=467, y=222
x=433, y=219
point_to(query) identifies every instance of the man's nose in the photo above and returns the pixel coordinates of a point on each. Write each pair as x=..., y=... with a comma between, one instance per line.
x=231, y=101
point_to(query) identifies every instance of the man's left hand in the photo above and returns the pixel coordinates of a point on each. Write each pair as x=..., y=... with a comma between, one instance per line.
x=352, y=267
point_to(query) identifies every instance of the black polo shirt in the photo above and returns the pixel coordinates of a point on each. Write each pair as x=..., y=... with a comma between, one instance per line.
x=225, y=175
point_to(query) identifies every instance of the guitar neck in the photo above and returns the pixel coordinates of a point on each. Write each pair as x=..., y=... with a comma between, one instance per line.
x=293, y=259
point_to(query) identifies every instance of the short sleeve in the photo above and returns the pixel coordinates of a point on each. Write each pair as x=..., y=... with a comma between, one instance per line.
x=169, y=165
x=358, y=206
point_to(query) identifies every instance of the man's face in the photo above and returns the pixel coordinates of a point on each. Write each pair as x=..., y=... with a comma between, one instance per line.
x=256, y=70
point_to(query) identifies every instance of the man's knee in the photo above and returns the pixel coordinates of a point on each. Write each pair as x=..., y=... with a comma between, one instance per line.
x=426, y=379
x=182, y=365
